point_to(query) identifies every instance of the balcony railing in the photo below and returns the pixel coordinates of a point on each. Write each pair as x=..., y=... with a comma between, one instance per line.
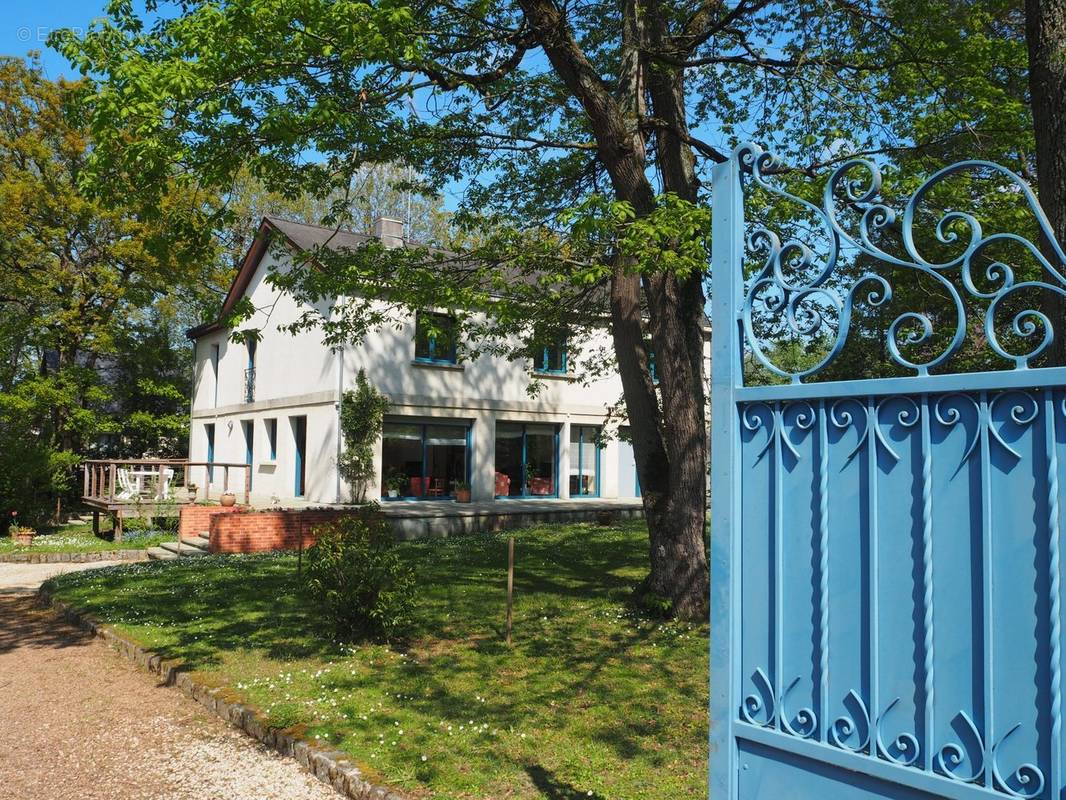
x=157, y=482
x=249, y=385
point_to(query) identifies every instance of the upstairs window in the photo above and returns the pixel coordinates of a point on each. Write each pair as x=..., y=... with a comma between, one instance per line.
x=651, y=363
x=214, y=369
x=249, y=372
x=435, y=338
x=550, y=352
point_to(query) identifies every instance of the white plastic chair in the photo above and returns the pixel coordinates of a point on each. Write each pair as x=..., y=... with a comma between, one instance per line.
x=127, y=487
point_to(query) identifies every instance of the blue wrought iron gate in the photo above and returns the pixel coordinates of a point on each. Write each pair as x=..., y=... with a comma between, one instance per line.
x=886, y=575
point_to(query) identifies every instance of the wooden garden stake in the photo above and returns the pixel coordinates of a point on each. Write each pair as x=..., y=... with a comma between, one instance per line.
x=300, y=554
x=510, y=585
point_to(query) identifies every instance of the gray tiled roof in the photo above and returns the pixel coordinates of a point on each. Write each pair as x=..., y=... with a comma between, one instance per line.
x=309, y=237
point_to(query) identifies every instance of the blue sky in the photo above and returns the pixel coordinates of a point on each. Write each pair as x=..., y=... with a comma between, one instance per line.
x=27, y=24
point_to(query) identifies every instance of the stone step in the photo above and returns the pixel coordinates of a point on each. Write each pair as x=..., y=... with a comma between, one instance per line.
x=184, y=550
x=159, y=554
x=205, y=535
x=194, y=541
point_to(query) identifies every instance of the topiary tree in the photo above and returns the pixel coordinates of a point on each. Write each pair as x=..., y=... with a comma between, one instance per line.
x=362, y=412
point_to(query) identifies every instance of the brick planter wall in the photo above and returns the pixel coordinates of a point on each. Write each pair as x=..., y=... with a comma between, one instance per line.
x=268, y=530
x=194, y=520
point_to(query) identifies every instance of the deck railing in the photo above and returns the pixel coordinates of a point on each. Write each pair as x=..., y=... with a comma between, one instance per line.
x=115, y=482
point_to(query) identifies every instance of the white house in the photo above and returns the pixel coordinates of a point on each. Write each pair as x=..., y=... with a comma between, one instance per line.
x=274, y=404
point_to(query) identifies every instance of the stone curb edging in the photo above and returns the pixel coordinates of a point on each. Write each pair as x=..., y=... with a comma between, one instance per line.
x=76, y=558
x=332, y=767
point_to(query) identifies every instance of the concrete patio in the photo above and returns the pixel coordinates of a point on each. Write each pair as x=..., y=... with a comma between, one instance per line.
x=414, y=519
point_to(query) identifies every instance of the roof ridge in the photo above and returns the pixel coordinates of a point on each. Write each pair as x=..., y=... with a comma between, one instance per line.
x=335, y=229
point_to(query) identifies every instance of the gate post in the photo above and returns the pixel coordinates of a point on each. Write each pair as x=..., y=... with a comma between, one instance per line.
x=727, y=282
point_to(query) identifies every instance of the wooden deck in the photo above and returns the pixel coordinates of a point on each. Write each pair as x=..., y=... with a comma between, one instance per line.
x=151, y=487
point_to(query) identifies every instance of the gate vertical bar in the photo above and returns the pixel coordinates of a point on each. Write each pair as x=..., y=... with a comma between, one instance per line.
x=928, y=660
x=823, y=572
x=1054, y=589
x=986, y=587
x=871, y=555
x=727, y=277
x=779, y=566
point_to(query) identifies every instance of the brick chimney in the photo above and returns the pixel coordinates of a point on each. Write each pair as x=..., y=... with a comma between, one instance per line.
x=389, y=231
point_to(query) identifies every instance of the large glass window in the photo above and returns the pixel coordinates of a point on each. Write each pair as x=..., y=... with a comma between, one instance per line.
x=435, y=338
x=584, y=461
x=526, y=460
x=422, y=461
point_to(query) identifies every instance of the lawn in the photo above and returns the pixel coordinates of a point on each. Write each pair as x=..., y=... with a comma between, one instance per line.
x=593, y=699
x=80, y=539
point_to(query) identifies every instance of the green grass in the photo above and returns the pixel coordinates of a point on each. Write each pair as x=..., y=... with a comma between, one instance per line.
x=80, y=539
x=593, y=699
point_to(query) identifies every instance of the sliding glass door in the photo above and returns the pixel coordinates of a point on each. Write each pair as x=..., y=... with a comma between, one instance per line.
x=423, y=461
x=526, y=460
x=584, y=461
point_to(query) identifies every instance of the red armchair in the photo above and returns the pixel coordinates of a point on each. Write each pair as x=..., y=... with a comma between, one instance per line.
x=503, y=484
x=541, y=486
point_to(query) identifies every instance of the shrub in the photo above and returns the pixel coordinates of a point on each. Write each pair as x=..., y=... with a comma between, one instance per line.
x=357, y=580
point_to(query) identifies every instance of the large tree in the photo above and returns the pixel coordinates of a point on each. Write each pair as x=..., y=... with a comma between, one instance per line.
x=1045, y=34
x=579, y=136
x=85, y=285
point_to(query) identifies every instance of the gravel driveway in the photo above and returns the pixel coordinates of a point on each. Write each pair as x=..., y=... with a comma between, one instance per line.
x=77, y=721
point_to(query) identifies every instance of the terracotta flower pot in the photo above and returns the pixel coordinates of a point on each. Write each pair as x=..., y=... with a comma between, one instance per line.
x=24, y=539
x=228, y=499
x=605, y=516
x=462, y=495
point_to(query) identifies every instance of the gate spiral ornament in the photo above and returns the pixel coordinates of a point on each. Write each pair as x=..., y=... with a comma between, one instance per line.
x=808, y=294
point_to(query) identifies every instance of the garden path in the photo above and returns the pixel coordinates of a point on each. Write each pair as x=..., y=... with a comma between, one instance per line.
x=78, y=721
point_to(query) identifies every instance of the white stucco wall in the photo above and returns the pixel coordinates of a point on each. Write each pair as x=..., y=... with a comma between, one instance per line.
x=297, y=375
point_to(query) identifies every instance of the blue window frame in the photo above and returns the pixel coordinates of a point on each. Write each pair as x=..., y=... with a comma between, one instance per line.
x=550, y=354
x=651, y=363
x=584, y=461
x=249, y=445
x=209, y=431
x=435, y=339
x=299, y=435
x=215, y=350
x=527, y=460
x=272, y=437
x=251, y=343
x=424, y=461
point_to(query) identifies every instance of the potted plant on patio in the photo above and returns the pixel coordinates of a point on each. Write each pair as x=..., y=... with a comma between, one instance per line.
x=228, y=499
x=192, y=489
x=395, y=483
x=462, y=492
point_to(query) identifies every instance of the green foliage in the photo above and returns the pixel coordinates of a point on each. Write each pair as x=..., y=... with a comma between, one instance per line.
x=361, y=415
x=552, y=699
x=31, y=473
x=93, y=295
x=358, y=580
x=615, y=112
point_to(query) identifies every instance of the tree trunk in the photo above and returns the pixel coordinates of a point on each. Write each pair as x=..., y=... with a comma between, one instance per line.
x=1045, y=33
x=669, y=441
